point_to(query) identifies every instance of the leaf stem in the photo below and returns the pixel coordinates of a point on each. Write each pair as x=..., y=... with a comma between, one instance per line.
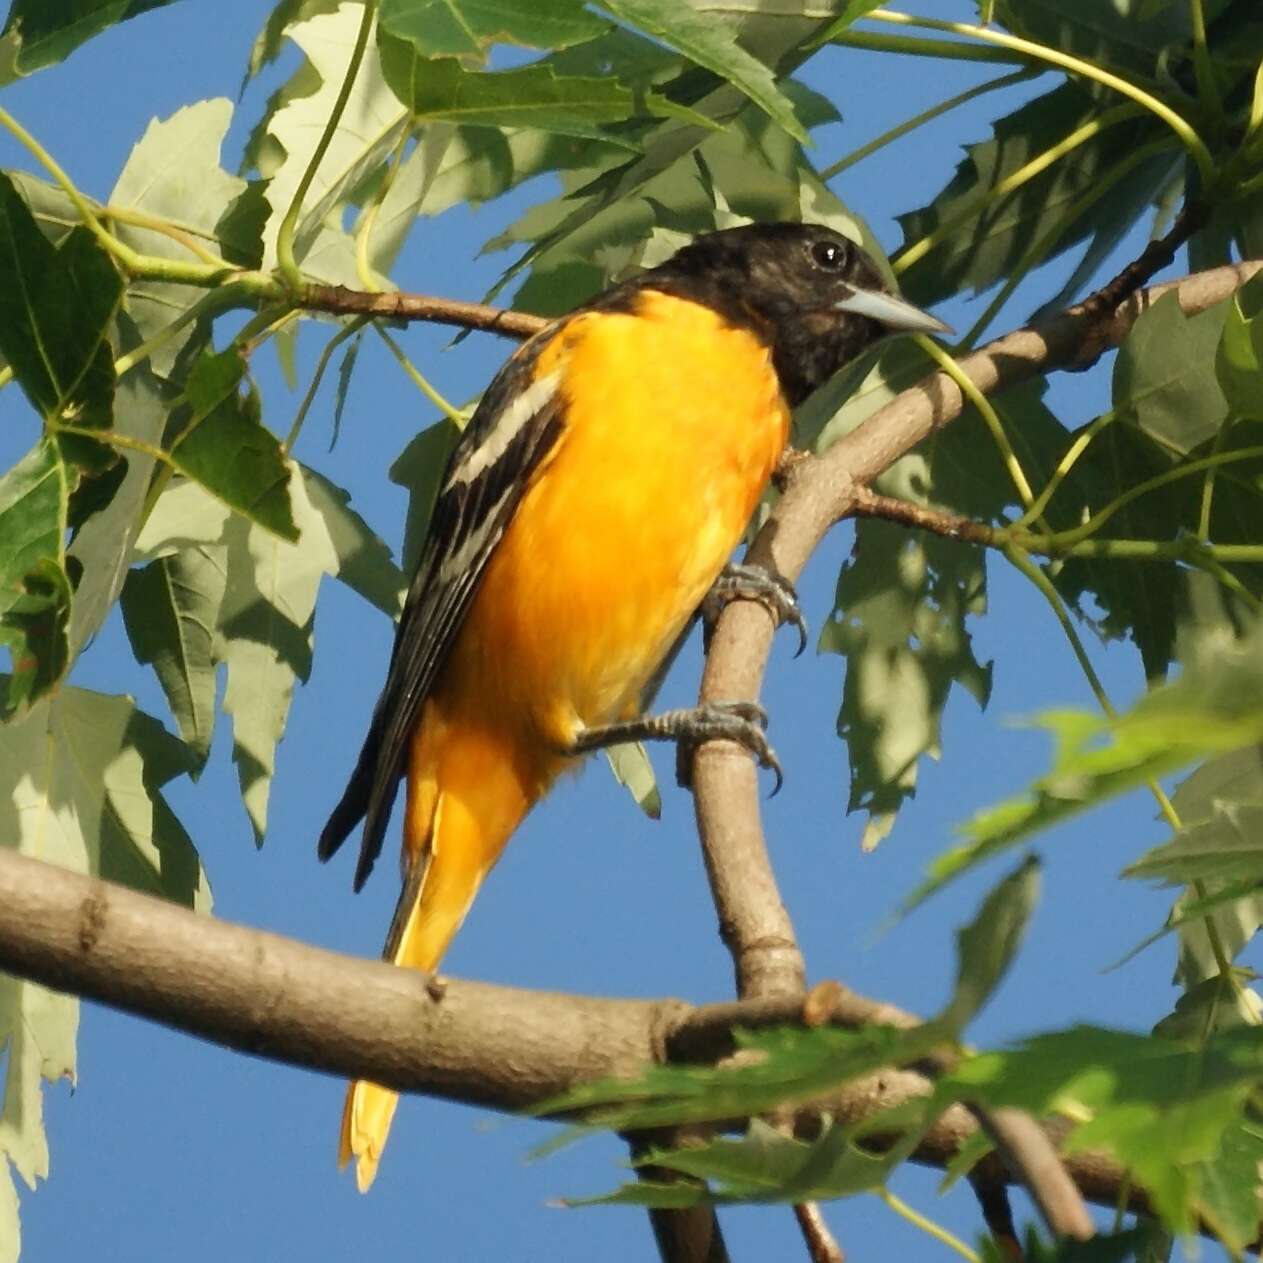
x=1064, y=466
x=927, y=1225
x=1203, y=65
x=926, y=116
x=1054, y=57
x=942, y=49
x=970, y=206
x=348, y=330
x=985, y=410
x=368, y=277
x=1097, y=520
x=453, y=414
x=187, y=237
x=286, y=262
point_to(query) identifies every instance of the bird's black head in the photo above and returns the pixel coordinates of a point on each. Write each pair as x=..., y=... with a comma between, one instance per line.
x=810, y=293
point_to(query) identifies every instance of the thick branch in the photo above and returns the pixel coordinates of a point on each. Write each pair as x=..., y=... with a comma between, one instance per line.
x=485, y=1045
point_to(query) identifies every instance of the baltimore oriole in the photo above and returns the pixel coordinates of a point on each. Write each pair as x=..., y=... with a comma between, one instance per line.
x=589, y=506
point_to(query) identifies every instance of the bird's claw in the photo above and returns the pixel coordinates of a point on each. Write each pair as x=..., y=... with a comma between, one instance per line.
x=740, y=721
x=742, y=581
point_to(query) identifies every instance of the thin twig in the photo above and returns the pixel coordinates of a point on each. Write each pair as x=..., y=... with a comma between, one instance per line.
x=821, y=1245
x=422, y=307
x=869, y=503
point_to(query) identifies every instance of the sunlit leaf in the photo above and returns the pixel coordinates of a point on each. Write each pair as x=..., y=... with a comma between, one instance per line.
x=451, y=28
x=534, y=96
x=173, y=175
x=711, y=41
x=81, y=775
x=370, y=125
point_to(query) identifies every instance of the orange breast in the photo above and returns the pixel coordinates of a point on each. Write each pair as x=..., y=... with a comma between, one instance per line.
x=674, y=422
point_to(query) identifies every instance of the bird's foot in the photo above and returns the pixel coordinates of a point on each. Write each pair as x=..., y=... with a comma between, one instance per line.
x=743, y=582
x=741, y=722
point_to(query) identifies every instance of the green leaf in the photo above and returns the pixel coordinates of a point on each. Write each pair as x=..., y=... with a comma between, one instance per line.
x=632, y=769
x=1169, y=1112
x=786, y=1064
x=34, y=586
x=983, y=233
x=899, y=620
x=264, y=636
x=262, y=623
x=1129, y=39
x=1212, y=1005
x=851, y=13
x=224, y=447
x=370, y=126
x=534, y=96
x=1164, y=376
x=452, y=28
x=47, y=31
x=1228, y=846
x=1228, y=1186
x=1239, y=358
x=81, y=775
x=55, y=308
x=904, y=600
x=173, y=174
x=612, y=206
x=710, y=41
x=1226, y=784
x=1215, y=706
x=765, y=1166
x=677, y=1195
x=170, y=609
x=102, y=545
x=186, y=515
x=271, y=39
x=363, y=561
x=985, y=948
x=10, y=1227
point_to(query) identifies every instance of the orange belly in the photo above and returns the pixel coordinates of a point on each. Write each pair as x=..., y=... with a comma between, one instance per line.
x=674, y=423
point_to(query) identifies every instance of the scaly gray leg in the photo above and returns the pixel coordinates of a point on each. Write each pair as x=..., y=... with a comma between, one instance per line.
x=742, y=722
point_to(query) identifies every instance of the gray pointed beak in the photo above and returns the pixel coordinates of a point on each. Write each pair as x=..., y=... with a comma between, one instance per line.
x=897, y=315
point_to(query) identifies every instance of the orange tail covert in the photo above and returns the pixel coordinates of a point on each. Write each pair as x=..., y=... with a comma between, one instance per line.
x=464, y=800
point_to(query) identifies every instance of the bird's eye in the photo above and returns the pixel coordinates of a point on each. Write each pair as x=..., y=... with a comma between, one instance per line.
x=828, y=255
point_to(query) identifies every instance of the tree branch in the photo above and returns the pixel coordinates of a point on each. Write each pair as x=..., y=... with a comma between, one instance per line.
x=420, y=307
x=498, y=1047
x=817, y=493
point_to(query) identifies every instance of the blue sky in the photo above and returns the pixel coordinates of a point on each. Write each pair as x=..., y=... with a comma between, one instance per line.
x=170, y=1147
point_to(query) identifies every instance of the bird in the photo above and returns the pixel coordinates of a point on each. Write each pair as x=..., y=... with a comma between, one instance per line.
x=588, y=507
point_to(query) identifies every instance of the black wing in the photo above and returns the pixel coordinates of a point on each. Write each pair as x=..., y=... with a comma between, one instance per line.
x=516, y=423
